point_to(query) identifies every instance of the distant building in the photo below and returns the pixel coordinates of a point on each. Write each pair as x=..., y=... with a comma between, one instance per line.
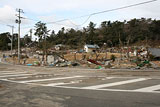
x=90, y=48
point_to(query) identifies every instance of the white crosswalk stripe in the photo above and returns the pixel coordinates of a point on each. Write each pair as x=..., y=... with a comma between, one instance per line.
x=149, y=89
x=8, y=73
x=71, y=82
x=61, y=78
x=16, y=75
x=115, y=84
x=76, y=82
x=23, y=77
x=55, y=84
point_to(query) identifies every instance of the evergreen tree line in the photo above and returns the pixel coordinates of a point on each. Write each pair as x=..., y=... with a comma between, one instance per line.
x=5, y=41
x=134, y=32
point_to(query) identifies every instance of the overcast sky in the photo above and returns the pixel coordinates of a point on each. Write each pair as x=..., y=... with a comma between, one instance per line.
x=53, y=10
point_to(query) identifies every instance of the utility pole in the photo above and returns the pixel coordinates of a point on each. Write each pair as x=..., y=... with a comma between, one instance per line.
x=120, y=44
x=45, y=48
x=19, y=22
x=11, y=38
x=30, y=34
x=128, y=46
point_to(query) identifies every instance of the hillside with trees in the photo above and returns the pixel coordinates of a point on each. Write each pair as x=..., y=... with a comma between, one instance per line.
x=133, y=32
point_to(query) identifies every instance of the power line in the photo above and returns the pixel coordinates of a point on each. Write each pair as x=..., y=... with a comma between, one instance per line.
x=28, y=27
x=64, y=24
x=32, y=19
x=92, y=14
x=2, y=23
x=100, y=12
x=86, y=20
x=87, y=15
x=73, y=23
x=133, y=5
x=56, y=23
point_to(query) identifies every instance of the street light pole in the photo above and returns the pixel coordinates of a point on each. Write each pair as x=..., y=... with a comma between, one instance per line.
x=11, y=38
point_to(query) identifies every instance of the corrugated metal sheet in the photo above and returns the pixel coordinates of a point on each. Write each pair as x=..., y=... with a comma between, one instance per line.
x=154, y=51
x=93, y=46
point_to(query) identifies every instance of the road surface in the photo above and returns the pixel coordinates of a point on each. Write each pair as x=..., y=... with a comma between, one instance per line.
x=75, y=87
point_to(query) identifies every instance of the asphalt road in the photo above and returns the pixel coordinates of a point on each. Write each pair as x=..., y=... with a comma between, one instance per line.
x=69, y=87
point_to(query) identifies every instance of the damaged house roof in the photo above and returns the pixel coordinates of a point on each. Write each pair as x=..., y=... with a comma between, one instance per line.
x=92, y=46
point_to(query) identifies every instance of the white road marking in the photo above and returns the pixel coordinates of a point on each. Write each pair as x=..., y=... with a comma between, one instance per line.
x=15, y=75
x=79, y=88
x=106, y=78
x=149, y=89
x=18, y=78
x=50, y=79
x=115, y=83
x=55, y=84
x=62, y=83
x=56, y=75
x=6, y=73
x=114, y=90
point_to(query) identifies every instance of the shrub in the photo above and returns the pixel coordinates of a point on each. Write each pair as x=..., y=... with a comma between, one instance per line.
x=113, y=57
x=151, y=57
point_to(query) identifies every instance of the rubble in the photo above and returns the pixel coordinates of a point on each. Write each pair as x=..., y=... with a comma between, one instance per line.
x=29, y=64
x=90, y=60
x=94, y=62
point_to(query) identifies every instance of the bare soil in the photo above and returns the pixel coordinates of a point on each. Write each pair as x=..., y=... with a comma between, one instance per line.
x=79, y=56
x=69, y=56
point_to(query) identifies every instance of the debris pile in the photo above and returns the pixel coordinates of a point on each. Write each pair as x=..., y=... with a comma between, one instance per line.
x=140, y=59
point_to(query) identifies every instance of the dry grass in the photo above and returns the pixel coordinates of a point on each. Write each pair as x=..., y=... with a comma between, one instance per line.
x=31, y=60
x=15, y=60
x=79, y=56
x=70, y=57
x=156, y=62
